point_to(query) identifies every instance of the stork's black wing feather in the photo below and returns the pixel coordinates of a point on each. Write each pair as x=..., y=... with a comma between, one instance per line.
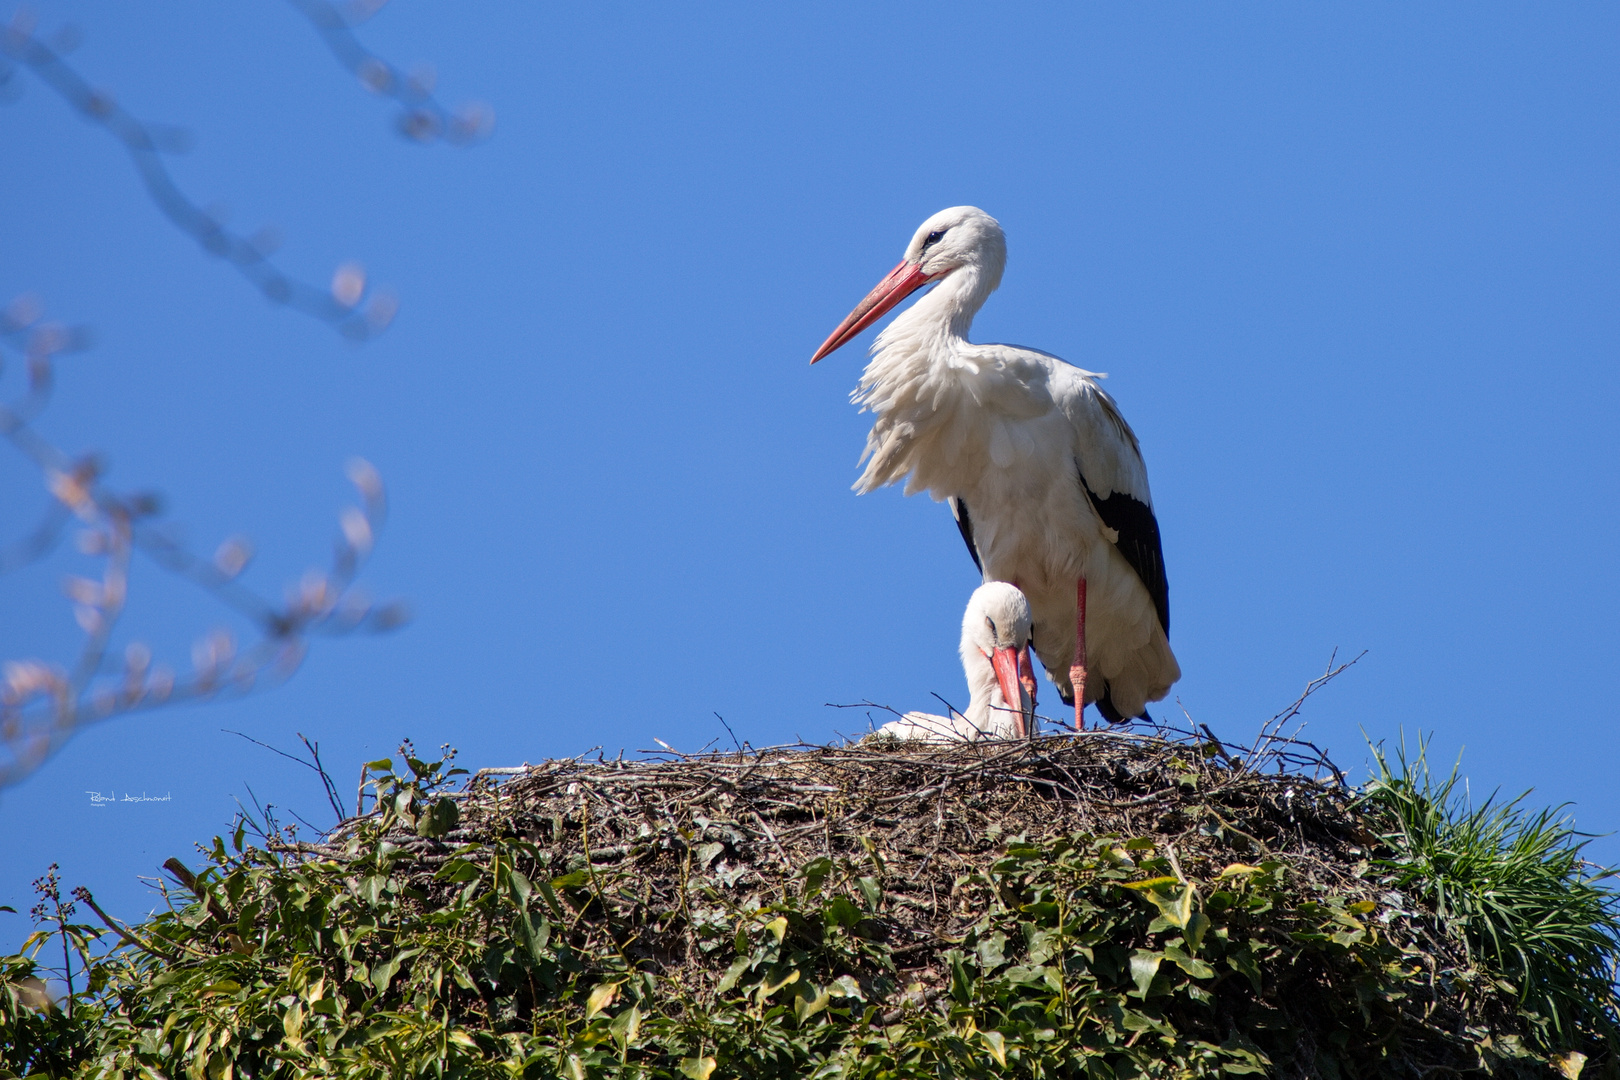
x=1138, y=541
x=965, y=524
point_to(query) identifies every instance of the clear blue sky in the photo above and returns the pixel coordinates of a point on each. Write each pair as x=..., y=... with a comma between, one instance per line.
x=1352, y=270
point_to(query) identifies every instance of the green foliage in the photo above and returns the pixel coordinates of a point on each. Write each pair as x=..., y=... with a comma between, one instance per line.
x=1089, y=956
x=1512, y=886
x=35, y=1036
x=1088, y=962
x=1095, y=959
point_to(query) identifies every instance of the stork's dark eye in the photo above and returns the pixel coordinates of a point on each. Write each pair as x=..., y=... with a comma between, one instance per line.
x=933, y=238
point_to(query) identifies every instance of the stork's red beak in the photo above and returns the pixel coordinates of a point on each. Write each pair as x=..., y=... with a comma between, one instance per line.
x=1005, y=661
x=902, y=281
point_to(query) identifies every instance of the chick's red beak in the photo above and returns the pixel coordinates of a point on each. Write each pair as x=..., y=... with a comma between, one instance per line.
x=900, y=283
x=1005, y=661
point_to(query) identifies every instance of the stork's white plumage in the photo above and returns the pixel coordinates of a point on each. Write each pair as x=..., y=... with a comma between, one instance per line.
x=995, y=644
x=1052, y=473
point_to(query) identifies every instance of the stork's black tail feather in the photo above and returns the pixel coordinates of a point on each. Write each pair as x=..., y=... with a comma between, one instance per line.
x=1105, y=705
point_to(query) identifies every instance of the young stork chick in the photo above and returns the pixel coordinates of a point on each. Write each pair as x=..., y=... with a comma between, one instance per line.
x=995, y=656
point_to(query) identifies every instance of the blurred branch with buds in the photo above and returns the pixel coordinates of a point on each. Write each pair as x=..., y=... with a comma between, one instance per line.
x=421, y=117
x=43, y=703
x=349, y=304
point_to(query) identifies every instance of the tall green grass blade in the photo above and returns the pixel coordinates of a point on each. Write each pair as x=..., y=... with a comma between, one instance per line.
x=1511, y=885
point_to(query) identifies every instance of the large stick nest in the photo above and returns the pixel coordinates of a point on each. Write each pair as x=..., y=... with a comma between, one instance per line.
x=669, y=829
x=665, y=851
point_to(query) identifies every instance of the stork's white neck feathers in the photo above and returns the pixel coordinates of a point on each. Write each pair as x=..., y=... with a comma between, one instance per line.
x=940, y=320
x=937, y=397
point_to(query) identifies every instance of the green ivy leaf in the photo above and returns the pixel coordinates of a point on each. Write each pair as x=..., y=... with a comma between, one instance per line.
x=382, y=974
x=811, y=1001
x=992, y=951
x=733, y=973
x=771, y=986
x=457, y=871
x=815, y=874
x=1178, y=909
x=371, y=888
x=601, y=997
x=292, y=1024
x=1196, y=968
x=1241, y=960
x=626, y=1027
x=550, y=896
x=1150, y=883
x=961, y=986
x=846, y=986
x=520, y=888
x=532, y=932
x=698, y=1068
x=840, y=912
x=1570, y=1064
x=439, y=819
x=996, y=1044
x=1144, y=965
x=1197, y=927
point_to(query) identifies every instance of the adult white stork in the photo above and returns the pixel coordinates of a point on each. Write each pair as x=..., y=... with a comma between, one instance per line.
x=995, y=657
x=1053, y=474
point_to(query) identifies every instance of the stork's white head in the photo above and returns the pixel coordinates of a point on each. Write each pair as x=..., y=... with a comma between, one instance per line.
x=995, y=656
x=997, y=617
x=963, y=238
x=995, y=637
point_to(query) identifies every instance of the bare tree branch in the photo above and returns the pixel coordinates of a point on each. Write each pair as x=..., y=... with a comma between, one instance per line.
x=44, y=703
x=350, y=304
x=421, y=117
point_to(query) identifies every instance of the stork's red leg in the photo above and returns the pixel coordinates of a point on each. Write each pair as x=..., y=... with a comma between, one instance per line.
x=1026, y=679
x=1026, y=673
x=1026, y=668
x=1077, y=671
